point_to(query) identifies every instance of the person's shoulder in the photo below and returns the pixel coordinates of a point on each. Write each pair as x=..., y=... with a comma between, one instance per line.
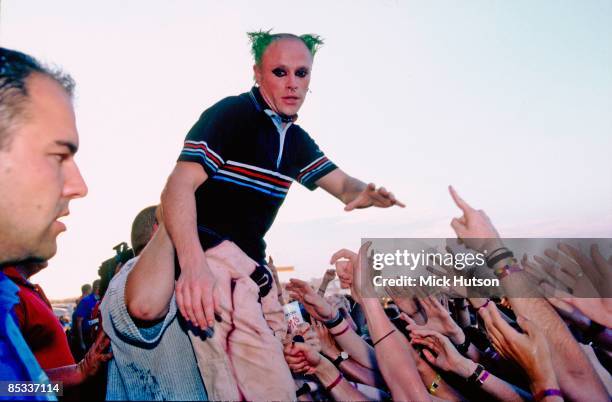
x=230, y=106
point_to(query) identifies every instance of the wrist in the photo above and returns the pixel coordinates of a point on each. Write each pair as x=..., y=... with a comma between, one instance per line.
x=541, y=386
x=325, y=371
x=466, y=368
x=456, y=335
x=81, y=372
x=545, y=380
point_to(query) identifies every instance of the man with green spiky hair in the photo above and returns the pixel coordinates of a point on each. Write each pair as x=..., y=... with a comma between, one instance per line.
x=239, y=160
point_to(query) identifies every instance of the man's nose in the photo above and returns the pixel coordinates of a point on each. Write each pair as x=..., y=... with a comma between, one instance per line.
x=292, y=82
x=74, y=185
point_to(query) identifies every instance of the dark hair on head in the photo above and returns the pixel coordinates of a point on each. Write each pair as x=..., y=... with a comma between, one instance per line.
x=142, y=228
x=260, y=40
x=15, y=69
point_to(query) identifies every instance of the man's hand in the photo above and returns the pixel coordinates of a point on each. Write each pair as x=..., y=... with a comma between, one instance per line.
x=195, y=295
x=529, y=349
x=438, y=319
x=302, y=358
x=445, y=356
x=474, y=228
x=371, y=196
x=95, y=357
x=314, y=303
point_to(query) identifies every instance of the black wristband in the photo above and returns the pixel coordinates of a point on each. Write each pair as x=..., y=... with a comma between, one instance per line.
x=463, y=348
x=334, y=322
x=506, y=254
x=263, y=278
x=474, y=377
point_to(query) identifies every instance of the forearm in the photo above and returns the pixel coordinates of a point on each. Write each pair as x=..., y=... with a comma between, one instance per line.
x=359, y=373
x=572, y=368
x=69, y=376
x=343, y=391
x=180, y=219
x=355, y=346
x=351, y=188
x=394, y=355
x=150, y=284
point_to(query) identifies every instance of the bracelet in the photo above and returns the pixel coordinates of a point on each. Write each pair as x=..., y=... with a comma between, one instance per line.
x=474, y=377
x=492, y=261
x=343, y=331
x=463, y=347
x=492, y=253
x=333, y=384
x=482, y=378
x=547, y=392
x=378, y=341
x=435, y=384
x=484, y=305
x=334, y=322
x=507, y=270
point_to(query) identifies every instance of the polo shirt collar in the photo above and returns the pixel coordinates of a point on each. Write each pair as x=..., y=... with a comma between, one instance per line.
x=262, y=106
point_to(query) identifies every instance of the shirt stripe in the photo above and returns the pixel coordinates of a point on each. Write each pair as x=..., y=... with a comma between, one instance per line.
x=248, y=185
x=238, y=176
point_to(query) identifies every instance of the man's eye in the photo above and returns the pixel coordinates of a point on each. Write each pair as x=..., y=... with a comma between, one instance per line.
x=302, y=72
x=279, y=72
x=60, y=157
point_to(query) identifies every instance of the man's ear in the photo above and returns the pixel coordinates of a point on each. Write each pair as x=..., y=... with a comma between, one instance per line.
x=257, y=73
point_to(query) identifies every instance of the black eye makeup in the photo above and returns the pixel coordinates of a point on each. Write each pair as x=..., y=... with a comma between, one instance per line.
x=301, y=72
x=279, y=72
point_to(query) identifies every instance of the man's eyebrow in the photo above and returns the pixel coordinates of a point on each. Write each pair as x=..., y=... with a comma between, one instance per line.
x=73, y=148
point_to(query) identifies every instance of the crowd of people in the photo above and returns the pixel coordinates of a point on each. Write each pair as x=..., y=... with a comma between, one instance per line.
x=198, y=313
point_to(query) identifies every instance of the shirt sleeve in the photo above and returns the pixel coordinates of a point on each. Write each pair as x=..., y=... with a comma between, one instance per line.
x=313, y=164
x=208, y=140
x=114, y=307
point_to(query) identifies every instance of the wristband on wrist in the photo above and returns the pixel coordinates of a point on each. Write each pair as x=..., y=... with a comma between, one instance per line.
x=334, y=322
x=485, y=374
x=388, y=333
x=476, y=374
x=346, y=328
x=547, y=392
x=334, y=383
x=484, y=305
x=507, y=270
x=435, y=384
x=502, y=256
x=463, y=347
x=494, y=252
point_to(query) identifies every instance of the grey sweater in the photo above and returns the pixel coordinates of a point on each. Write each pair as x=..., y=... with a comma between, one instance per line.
x=155, y=363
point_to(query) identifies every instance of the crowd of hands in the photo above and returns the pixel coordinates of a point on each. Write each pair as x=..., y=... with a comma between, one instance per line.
x=418, y=346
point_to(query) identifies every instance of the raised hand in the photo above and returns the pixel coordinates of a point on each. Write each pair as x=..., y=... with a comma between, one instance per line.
x=371, y=196
x=438, y=319
x=474, y=228
x=445, y=356
x=301, y=357
x=314, y=303
x=529, y=350
x=97, y=355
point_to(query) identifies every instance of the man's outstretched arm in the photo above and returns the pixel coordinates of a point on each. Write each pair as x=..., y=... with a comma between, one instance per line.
x=354, y=193
x=194, y=288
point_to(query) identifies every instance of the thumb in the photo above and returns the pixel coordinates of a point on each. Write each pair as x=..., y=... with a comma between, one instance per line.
x=526, y=325
x=458, y=227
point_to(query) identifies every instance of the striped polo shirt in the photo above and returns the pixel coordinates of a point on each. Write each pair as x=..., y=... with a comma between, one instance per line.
x=251, y=161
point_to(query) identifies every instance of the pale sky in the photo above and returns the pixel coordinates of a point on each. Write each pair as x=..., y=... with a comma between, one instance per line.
x=508, y=101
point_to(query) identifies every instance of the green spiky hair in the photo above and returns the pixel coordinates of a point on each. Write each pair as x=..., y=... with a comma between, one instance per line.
x=260, y=40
